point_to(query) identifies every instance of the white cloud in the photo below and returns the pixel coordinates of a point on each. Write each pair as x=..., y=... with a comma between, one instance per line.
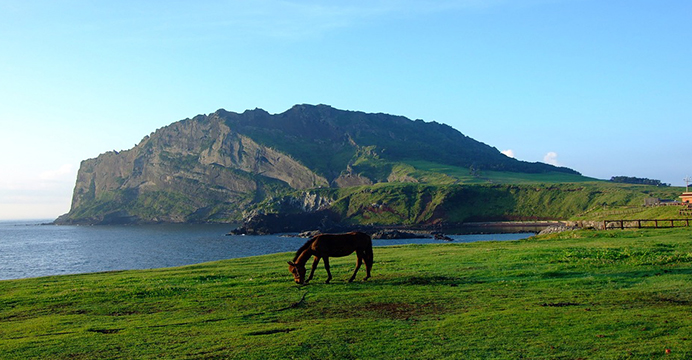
x=509, y=153
x=61, y=173
x=36, y=195
x=24, y=211
x=23, y=180
x=551, y=158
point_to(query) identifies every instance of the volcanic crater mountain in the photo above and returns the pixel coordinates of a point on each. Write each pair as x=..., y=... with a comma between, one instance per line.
x=215, y=167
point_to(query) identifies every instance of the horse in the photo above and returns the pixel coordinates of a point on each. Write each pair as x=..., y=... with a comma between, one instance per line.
x=324, y=246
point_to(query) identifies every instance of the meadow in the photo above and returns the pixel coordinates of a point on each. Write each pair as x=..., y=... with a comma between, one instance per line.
x=576, y=295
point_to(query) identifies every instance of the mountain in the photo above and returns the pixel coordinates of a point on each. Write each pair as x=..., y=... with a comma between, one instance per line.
x=213, y=167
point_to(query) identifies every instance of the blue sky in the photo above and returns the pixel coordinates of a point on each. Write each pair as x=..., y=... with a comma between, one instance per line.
x=603, y=87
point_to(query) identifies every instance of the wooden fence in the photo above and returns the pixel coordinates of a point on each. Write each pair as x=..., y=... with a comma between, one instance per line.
x=644, y=224
x=686, y=210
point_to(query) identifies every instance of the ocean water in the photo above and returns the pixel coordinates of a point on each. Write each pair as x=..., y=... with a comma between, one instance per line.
x=29, y=249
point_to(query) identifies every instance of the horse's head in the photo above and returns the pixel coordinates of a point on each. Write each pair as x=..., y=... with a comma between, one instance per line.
x=298, y=272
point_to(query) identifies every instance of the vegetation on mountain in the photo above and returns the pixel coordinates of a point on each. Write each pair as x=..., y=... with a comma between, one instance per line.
x=328, y=139
x=636, y=180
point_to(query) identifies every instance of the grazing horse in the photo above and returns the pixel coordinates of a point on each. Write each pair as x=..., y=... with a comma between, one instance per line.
x=324, y=246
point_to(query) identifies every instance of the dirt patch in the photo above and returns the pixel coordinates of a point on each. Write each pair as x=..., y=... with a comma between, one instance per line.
x=432, y=280
x=393, y=310
x=400, y=311
x=670, y=300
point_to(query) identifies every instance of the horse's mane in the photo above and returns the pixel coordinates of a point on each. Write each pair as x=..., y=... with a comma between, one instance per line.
x=304, y=247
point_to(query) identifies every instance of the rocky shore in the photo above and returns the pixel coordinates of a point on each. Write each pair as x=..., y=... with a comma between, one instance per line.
x=325, y=221
x=389, y=234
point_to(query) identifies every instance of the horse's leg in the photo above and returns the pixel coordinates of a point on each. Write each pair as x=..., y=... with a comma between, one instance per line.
x=314, y=266
x=358, y=262
x=326, y=266
x=368, y=262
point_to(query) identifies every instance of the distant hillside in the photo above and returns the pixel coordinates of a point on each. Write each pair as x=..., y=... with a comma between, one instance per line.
x=213, y=167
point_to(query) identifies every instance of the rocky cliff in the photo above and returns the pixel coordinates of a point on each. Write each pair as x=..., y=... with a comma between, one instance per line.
x=193, y=170
x=213, y=167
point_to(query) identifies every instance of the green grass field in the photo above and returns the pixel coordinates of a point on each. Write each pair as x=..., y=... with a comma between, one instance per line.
x=576, y=295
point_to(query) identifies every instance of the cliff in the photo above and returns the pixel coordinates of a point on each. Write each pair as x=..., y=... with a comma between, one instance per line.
x=191, y=171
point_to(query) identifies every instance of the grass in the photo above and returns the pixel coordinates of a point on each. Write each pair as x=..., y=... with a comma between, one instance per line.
x=633, y=213
x=450, y=174
x=576, y=295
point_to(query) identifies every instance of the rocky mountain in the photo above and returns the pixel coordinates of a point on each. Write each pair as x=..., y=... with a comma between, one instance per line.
x=213, y=167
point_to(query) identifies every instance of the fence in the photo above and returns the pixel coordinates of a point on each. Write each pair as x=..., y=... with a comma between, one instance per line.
x=643, y=224
x=686, y=210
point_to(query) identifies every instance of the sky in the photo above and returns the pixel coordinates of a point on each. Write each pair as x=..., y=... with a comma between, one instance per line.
x=602, y=87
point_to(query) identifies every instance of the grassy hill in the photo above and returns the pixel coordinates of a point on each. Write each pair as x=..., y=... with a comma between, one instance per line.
x=437, y=173
x=602, y=295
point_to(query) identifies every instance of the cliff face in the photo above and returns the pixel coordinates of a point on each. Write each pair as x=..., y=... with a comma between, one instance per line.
x=213, y=167
x=193, y=170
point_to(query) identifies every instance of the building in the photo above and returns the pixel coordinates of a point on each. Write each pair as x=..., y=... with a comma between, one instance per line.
x=660, y=202
x=686, y=197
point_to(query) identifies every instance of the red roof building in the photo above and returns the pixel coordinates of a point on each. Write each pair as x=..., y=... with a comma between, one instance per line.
x=686, y=197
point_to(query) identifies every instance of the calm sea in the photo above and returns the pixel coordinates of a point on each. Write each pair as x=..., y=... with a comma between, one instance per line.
x=29, y=249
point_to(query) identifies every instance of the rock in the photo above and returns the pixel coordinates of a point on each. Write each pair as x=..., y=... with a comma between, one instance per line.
x=348, y=180
x=440, y=236
x=396, y=234
x=304, y=234
x=309, y=234
x=557, y=228
x=262, y=224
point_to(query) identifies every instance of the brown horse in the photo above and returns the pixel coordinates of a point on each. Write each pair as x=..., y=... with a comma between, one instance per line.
x=324, y=246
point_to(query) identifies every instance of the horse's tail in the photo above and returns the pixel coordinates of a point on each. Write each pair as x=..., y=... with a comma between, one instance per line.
x=369, y=254
x=368, y=245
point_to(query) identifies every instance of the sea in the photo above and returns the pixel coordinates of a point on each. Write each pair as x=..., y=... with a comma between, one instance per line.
x=34, y=249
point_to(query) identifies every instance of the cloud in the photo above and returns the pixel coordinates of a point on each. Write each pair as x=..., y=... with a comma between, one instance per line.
x=59, y=174
x=508, y=153
x=41, y=195
x=61, y=177
x=551, y=158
